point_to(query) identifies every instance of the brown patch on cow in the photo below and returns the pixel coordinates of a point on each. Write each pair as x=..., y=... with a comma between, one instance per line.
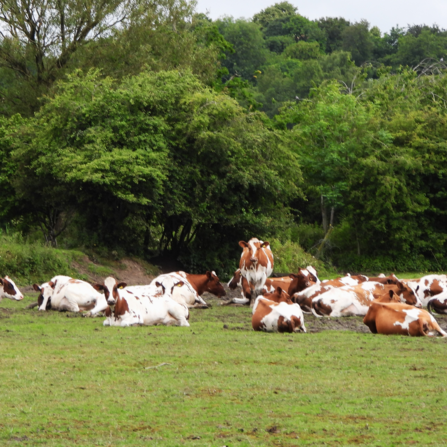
x=426, y=282
x=121, y=307
x=74, y=281
x=8, y=287
x=108, y=311
x=278, y=296
x=262, y=310
x=284, y=325
x=436, y=288
x=321, y=309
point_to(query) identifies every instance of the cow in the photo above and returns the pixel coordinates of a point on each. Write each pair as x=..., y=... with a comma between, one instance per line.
x=129, y=308
x=8, y=289
x=45, y=302
x=275, y=312
x=305, y=278
x=429, y=286
x=189, y=293
x=256, y=264
x=355, y=300
x=302, y=280
x=400, y=319
x=73, y=295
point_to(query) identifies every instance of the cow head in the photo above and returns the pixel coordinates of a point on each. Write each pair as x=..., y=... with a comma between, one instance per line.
x=301, y=281
x=9, y=290
x=46, y=291
x=279, y=296
x=251, y=251
x=167, y=285
x=214, y=286
x=408, y=295
x=110, y=289
x=235, y=280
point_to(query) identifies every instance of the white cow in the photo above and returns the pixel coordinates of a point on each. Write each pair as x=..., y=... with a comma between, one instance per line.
x=131, y=308
x=71, y=295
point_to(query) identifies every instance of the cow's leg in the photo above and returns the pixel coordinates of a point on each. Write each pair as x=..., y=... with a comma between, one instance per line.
x=67, y=305
x=178, y=312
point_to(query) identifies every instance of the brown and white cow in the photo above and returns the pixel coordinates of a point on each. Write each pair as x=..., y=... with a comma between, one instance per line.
x=128, y=308
x=355, y=300
x=256, y=263
x=274, y=312
x=8, y=289
x=302, y=280
x=400, y=319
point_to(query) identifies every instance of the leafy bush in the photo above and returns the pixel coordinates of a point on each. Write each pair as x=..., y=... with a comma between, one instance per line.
x=27, y=263
x=290, y=256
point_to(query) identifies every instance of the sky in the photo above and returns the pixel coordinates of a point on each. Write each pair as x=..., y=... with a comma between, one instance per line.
x=381, y=13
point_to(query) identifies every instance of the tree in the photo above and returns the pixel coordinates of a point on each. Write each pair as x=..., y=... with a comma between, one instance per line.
x=39, y=39
x=275, y=12
x=357, y=40
x=156, y=157
x=333, y=28
x=249, y=52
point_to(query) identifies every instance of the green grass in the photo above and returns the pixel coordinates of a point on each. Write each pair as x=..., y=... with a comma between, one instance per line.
x=69, y=381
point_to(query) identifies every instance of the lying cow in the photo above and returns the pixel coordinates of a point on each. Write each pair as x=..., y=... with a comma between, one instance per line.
x=256, y=264
x=400, y=319
x=192, y=287
x=275, y=312
x=73, y=295
x=128, y=308
x=355, y=300
x=8, y=289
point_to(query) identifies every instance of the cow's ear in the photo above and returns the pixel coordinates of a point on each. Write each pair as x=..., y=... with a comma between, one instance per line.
x=265, y=245
x=36, y=287
x=243, y=244
x=279, y=290
x=292, y=275
x=209, y=275
x=121, y=285
x=99, y=287
x=52, y=284
x=158, y=284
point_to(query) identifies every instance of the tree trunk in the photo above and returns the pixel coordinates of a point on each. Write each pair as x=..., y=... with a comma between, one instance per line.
x=331, y=223
x=324, y=215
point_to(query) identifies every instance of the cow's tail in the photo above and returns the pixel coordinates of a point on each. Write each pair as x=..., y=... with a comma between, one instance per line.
x=314, y=310
x=430, y=307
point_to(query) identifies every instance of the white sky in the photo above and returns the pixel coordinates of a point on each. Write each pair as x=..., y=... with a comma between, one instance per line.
x=382, y=13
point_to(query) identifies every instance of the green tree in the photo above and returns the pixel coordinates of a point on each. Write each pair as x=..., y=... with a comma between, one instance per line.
x=357, y=40
x=272, y=13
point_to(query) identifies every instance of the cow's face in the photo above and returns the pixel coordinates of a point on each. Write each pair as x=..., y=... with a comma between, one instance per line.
x=214, y=286
x=10, y=290
x=251, y=251
x=408, y=295
x=234, y=282
x=301, y=281
x=46, y=291
x=110, y=289
x=167, y=285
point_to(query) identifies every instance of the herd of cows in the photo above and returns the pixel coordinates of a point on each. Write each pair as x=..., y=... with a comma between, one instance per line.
x=389, y=305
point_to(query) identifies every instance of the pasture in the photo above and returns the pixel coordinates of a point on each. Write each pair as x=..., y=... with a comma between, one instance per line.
x=67, y=380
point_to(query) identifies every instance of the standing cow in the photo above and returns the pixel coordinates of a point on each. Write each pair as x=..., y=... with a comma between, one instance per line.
x=256, y=264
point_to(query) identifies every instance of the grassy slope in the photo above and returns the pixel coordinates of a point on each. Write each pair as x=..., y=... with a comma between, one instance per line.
x=70, y=381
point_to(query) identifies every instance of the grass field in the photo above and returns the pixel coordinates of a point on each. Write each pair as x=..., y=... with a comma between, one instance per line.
x=67, y=380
